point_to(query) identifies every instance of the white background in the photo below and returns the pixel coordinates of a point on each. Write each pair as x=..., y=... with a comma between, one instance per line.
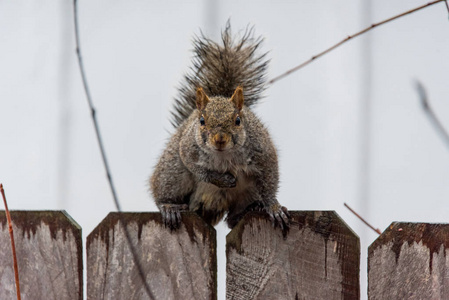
x=349, y=127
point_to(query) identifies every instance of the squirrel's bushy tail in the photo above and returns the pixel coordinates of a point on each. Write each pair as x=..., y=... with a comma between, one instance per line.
x=219, y=69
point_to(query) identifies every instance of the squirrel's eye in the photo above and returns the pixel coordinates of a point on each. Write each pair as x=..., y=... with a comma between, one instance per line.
x=237, y=121
x=202, y=122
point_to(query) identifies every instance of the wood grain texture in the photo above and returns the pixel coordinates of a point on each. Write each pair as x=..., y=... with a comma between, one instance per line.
x=410, y=261
x=319, y=258
x=49, y=255
x=177, y=265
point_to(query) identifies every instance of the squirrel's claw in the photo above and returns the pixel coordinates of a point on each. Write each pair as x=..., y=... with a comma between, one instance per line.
x=279, y=216
x=171, y=214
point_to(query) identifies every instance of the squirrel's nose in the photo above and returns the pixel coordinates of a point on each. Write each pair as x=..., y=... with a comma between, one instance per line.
x=220, y=140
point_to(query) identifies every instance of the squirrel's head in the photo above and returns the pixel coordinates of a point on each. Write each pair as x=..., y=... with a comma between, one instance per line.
x=221, y=122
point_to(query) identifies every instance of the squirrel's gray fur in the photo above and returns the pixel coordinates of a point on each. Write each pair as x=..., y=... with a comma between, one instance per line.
x=221, y=159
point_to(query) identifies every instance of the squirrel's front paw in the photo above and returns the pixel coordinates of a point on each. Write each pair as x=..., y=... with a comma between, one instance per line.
x=279, y=215
x=223, y=180
x=171, y=214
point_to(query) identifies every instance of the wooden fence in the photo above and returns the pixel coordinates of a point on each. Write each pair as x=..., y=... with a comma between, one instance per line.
x=318, y=258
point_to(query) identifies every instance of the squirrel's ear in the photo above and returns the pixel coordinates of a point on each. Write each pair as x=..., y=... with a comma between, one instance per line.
x=201, y=99
x=237, y=98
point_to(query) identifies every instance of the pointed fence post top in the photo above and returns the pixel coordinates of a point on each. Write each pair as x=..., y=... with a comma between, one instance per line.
x=318, y=258
x=28, y=221
x=191, y=222
x=409, y=260
x=49, y=254
x=430, y=235
x=179, y=264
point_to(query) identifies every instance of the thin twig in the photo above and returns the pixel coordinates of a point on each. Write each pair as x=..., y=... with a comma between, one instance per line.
x=363, y=220
x=447, y=5
x=430, y=113
x=350, y=37
x=103, y=153
x=13, y=245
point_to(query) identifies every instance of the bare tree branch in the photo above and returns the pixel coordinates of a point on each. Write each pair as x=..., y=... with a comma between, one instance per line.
x=431, y=114
x=377, y=230
x=351, y=37
x=13, y=245
x=103, y=153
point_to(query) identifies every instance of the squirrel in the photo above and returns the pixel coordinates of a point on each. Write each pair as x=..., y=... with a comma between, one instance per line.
x=220, y=160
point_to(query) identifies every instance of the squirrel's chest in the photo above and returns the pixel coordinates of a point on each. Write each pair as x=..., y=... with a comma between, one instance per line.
x=214, y=198
x=235, y=163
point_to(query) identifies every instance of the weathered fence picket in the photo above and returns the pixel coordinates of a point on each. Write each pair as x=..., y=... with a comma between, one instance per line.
x=49, y=255
x=318, y=258
x=410, y=261
x=176, y=265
